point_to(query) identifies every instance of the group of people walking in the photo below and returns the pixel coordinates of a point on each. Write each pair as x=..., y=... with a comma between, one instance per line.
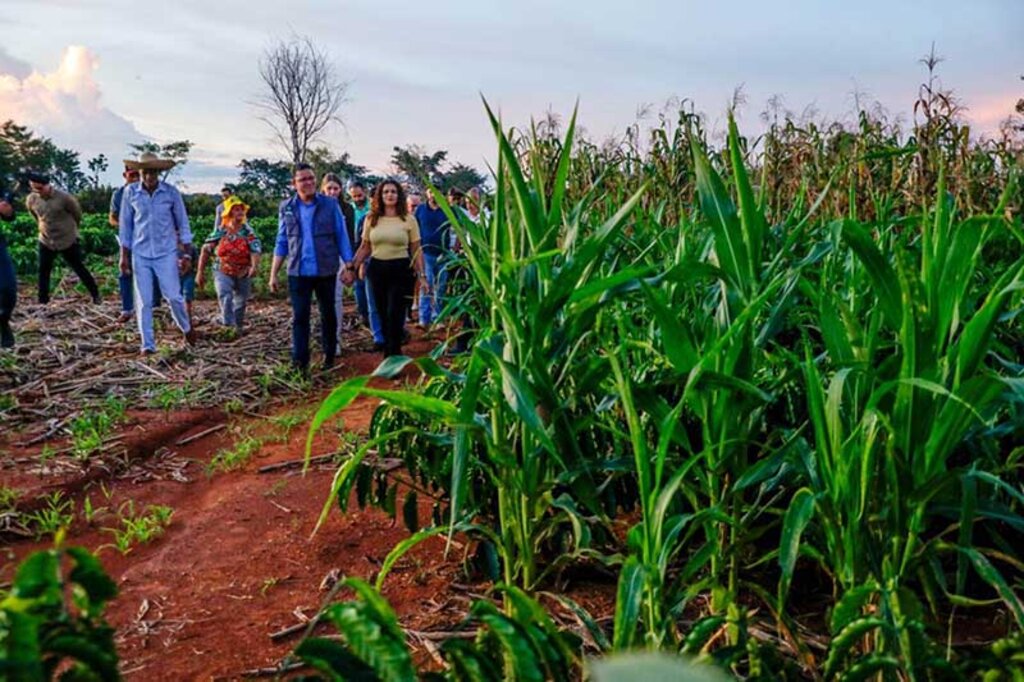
x=382, y=246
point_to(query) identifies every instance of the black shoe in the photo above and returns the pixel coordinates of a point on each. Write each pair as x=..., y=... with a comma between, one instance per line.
x=6, y=335
x=378, y=347
x=97, y=299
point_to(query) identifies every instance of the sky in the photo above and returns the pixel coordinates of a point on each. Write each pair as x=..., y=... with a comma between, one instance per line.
x=95, y=75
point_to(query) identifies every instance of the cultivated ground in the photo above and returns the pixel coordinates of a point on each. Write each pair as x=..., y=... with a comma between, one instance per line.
x=237, y=564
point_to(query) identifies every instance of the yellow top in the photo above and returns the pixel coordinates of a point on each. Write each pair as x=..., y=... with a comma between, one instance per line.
x=391, y=237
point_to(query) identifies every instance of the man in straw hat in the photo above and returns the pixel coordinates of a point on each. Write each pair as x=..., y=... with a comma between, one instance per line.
x=154, y=227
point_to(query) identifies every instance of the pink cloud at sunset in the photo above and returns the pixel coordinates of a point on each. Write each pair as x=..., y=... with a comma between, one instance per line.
x=65, y=104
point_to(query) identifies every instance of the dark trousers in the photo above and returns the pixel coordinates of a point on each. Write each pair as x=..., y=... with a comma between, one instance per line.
x=8, y=295
x=361, y=302
x=300, y=292
x=73, y=257
x=391, y=282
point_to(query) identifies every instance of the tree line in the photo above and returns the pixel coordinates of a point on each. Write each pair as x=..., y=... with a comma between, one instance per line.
x=262, y=181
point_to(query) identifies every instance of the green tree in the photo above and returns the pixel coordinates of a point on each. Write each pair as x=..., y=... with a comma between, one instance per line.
x=264, y=178
x=417, y=165
x=323, y=161
x=21, y=149
x=463, y=177
x=96, y=165
x=177, y=151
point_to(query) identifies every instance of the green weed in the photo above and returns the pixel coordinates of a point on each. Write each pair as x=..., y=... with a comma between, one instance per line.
x=229, y=459
x=57, y=515
x=139, y=528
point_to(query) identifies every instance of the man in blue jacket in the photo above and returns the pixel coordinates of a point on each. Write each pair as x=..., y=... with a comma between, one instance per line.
x=313, y=238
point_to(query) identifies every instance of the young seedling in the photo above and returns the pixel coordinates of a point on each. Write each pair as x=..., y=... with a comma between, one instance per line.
x=236, y=457
x=56, y=515
x=139, y=529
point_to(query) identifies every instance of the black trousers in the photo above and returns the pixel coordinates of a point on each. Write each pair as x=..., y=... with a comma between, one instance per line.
x=301, y=291
x=392, y=283
x=73, y=257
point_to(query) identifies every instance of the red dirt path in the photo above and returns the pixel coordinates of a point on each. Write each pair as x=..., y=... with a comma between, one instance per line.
x=238, y=559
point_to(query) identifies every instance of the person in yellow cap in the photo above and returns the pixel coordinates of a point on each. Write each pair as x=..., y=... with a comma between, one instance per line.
x=237, y=250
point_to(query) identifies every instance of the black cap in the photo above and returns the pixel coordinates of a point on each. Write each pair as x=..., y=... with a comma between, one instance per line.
x=37, y=176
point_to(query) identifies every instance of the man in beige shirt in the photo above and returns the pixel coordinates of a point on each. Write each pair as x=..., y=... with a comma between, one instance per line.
x=58, y=215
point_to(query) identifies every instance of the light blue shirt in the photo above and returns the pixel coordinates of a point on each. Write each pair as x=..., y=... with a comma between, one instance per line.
x=307, y=259
x=151, y=225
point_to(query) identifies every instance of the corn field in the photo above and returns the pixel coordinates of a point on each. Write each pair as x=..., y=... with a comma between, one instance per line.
x=775, y=387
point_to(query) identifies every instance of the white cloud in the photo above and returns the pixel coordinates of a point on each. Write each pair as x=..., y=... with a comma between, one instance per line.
x=65, y=105
x=13, y=66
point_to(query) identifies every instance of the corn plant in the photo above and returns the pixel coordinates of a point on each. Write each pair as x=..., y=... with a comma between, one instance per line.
x=891, y=427
x=814, y=376
x=522, y=412
x=43, y=631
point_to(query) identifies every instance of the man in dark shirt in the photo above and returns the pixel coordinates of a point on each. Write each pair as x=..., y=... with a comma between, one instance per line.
x=360, y=207
x=434, y=237
x=8, y=282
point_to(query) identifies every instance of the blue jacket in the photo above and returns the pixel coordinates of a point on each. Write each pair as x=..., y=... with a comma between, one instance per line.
x=327, y=236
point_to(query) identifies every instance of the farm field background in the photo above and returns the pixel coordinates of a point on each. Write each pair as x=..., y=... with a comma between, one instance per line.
x=755, y=404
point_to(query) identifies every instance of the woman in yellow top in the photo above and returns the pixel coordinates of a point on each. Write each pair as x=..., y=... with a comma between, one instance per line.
x=391, y=241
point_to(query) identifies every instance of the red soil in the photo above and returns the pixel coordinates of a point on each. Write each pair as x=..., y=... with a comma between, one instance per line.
x=238, y=561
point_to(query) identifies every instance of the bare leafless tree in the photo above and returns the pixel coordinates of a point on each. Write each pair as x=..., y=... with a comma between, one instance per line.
x=303, y=93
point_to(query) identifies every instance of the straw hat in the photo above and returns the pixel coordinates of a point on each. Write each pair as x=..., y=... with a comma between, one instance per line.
x=149, y=161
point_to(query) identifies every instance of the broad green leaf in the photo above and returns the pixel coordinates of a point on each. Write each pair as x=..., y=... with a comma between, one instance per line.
x=842, y=643
x=399, y=550
x=717, y=205
x=334, y=660
x=88, y=572
x=632, y=583
x=798, y=515
x=469, y=663
x=519, y=652
x=883, y=277
x=993, y=577
x=101, y=661
x=335, y=402
x=751, y=220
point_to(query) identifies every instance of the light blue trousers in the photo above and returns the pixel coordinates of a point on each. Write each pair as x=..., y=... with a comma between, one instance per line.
x=164, y=270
